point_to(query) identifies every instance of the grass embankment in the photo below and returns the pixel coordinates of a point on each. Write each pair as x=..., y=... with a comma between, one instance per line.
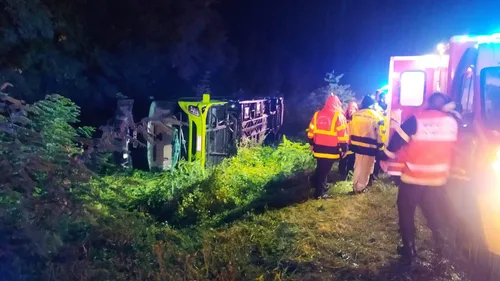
x=250, y=219
x=343, y=238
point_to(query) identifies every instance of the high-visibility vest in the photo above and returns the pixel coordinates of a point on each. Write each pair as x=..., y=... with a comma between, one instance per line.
x=429, y=153
x=327, y=130
x=365, y=137
x=349, y=152
x=382, y=130
x=396, y=166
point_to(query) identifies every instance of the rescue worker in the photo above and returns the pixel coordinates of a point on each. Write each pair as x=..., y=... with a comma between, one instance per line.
x=381, y=100
x=328, y=136
x=365, y=141
x=381, y=107
x=429, y=140
x=346, y=164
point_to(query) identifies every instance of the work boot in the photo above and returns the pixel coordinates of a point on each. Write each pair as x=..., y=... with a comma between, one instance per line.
x=325, y=196
x=406, y=255
x=402, y=251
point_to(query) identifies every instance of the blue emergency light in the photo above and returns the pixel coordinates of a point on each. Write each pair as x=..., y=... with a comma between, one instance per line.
x=480, y=39
x=383, y=89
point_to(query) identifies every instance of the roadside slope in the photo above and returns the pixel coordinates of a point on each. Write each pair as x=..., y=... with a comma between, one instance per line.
x=343, y=238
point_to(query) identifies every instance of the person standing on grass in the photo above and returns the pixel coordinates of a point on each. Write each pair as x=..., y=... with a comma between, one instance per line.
x=328, y=136
x=365, y=141
x=429, y=140
x=381, y=107
x=346, y=164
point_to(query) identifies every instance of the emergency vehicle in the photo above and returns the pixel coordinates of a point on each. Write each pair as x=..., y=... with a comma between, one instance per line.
x=467, y=69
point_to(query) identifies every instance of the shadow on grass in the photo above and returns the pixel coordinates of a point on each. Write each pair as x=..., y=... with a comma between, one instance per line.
x=283, y=193
x=278, y=194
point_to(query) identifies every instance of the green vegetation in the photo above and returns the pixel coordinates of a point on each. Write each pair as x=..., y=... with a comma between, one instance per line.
x=190, y=194
x=247, y=219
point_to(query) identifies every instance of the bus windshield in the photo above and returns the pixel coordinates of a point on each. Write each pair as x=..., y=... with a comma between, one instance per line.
x=490, y=94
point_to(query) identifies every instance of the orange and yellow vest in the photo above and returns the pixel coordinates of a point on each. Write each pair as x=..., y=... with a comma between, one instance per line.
x=329, y=134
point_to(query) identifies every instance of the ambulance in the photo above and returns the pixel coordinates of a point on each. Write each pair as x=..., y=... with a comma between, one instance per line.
x=467, y=69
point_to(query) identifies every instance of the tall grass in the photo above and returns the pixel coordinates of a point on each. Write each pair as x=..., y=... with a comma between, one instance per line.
x=189, y=194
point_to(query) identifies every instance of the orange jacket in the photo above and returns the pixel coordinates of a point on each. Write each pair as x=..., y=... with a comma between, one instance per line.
x=430, y=151
x=425, y=144
x=328, y=132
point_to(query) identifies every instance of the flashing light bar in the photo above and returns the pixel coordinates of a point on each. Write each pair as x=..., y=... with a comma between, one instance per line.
x=441, y=47
x=383, y=89
x=480, y=39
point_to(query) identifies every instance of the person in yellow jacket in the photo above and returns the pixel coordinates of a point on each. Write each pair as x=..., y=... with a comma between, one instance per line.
x=365, y=142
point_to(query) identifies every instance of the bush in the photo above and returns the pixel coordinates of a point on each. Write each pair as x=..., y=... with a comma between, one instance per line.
x=189, y=194
x=43, y=185
x=241, y=180
x=146, y=191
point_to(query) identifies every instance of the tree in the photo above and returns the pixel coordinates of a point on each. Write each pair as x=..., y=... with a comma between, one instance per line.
x=301, y=109
x=89, y=50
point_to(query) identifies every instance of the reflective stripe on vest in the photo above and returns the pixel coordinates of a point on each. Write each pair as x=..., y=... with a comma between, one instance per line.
x=326, y=155
x=395, y=168
x=326, y=141
x=429, y=168
x=364, y=137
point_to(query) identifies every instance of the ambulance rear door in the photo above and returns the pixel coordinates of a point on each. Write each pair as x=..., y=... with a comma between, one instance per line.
x=412, y=79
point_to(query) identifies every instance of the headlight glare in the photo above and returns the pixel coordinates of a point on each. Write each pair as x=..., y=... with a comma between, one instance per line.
x=496, y=166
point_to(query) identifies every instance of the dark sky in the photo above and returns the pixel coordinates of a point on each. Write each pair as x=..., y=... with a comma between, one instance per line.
x=360, y=40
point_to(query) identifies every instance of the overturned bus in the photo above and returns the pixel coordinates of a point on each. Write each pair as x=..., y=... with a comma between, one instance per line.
x=206, y=130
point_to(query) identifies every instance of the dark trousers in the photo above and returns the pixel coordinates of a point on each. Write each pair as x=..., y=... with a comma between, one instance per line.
x=346, y=165
x=431, y=200
x=376, y=170
x=323, y=167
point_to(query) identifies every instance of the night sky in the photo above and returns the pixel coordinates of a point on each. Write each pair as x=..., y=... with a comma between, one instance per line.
x=355, y=37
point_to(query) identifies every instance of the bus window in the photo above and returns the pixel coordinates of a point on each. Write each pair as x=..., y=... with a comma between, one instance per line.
x=490, y=95
x=246, y=113
x=412, y=88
